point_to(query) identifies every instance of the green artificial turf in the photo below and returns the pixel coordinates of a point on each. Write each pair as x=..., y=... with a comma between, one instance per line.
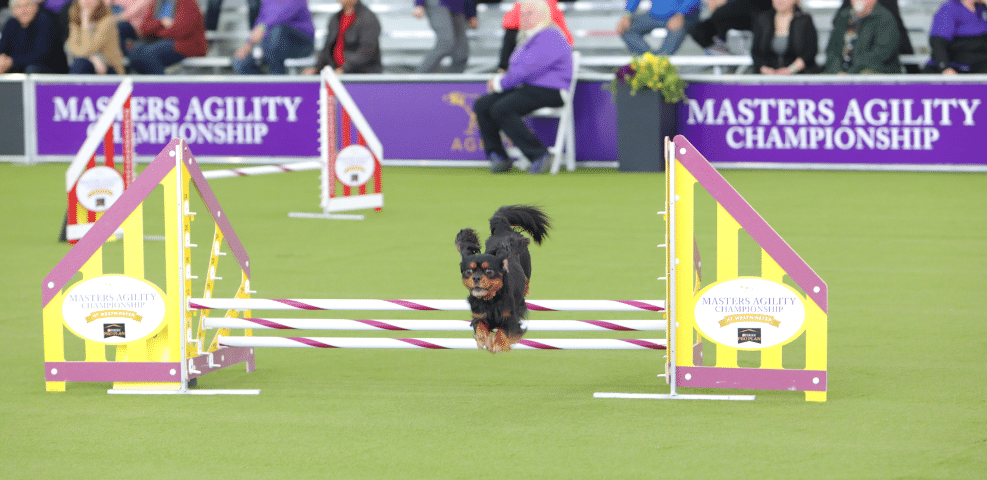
x=903, y=255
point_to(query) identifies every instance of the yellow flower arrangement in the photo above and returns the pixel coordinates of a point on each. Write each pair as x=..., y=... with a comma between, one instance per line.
x=654, y=73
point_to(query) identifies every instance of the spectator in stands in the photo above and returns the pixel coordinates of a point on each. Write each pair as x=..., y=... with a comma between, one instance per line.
x=30, y=41
x=958, y=38
x=130, y=14
x=785, y=40
x=540, y=67
x=284, y=30
x=675, y=16
x=171, y=31
x=449, y=19
x=352, y=41
x=904, y=43
x=864, y=40
x=4, y=11
x=59, y=10
x=512, y=23
x=214, y=7
x=726, y=15
x=93, y=39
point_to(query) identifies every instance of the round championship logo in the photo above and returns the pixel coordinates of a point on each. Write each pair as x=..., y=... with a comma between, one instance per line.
x=354, y=165
x=114, y=309
x=98, y=188
x=750, y=313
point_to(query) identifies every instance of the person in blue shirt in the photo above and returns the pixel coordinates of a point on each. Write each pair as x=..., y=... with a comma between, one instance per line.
x=676, y=16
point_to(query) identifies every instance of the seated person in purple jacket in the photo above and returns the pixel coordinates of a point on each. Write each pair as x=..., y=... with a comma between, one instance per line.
x=958, y=38
x=539, y=68
x=284, y=30
x=31, y=42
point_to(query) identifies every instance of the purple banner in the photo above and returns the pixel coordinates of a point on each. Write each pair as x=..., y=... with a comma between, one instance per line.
x=837, y=124
x=436, y=121
x=223, y=119
x=826, y=124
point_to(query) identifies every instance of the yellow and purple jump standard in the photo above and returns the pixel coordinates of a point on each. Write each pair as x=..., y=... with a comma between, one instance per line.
x=761, y=313
x=156, y=348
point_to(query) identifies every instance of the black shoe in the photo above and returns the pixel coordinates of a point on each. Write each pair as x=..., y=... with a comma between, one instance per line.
x=498, y=164
x=540, y=165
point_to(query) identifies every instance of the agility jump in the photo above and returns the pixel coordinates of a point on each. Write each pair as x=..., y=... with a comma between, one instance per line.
x=92, y=188
x=164, y=356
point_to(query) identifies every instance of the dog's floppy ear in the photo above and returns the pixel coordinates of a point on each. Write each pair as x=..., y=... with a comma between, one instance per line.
x=467, y=242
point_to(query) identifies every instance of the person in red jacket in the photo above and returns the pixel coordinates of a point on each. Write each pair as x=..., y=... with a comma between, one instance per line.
x=172, y=31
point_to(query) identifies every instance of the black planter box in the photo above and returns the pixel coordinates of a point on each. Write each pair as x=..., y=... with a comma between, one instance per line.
x=643, y=121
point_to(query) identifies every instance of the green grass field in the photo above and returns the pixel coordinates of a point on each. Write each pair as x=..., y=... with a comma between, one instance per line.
x=903, y=255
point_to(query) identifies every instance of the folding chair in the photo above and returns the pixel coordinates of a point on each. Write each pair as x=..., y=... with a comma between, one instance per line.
x=565, y=140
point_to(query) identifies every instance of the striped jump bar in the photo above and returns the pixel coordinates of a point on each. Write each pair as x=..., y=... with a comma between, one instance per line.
x=426, y=325
x=405, y=305
x=440, y=343
x=263, y=169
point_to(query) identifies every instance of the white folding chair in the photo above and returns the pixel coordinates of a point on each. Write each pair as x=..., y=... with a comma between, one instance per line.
x=565, y=140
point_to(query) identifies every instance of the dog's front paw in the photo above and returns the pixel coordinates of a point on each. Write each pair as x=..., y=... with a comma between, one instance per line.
x=501, y=342
x=482, y=335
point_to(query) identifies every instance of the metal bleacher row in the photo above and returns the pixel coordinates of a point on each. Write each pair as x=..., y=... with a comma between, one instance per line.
x=405, y=39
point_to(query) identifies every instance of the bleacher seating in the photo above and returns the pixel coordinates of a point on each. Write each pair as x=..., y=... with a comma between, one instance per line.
x=405, y=39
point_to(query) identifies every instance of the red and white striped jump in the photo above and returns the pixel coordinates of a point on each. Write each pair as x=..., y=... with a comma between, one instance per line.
x=426, y=325
x=262, y=170
x=406, y=305
x=440, y=343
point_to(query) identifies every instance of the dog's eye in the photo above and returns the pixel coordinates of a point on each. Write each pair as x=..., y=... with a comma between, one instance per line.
x=468, y=272
x=489, y=272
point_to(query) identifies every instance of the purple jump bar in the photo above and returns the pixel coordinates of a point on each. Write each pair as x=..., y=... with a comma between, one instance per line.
x=752, y=378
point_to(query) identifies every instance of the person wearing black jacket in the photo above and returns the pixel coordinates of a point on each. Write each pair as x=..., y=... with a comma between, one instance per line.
x=785, y=40
x=352, y=41
x=31, y=42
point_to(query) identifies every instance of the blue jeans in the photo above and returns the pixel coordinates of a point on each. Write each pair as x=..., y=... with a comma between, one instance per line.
x=83, y=65
x=643, y=23
x=280, y=44
x=153, y=57
x=127, y=34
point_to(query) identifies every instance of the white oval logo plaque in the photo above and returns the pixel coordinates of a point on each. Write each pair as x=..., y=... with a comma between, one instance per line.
x=354, y=165
x=750, y=313
x=99, y=187
x=114, y=309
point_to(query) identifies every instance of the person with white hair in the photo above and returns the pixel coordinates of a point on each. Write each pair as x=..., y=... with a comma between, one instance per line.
x=538, y=70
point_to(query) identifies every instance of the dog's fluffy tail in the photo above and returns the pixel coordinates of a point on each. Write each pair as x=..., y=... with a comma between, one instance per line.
x=527, y=217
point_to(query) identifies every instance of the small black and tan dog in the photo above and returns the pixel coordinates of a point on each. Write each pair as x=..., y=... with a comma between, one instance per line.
x=498, y=278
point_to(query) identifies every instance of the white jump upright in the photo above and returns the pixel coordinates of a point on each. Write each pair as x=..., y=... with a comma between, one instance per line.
x=349, y=152
x=92, y=187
